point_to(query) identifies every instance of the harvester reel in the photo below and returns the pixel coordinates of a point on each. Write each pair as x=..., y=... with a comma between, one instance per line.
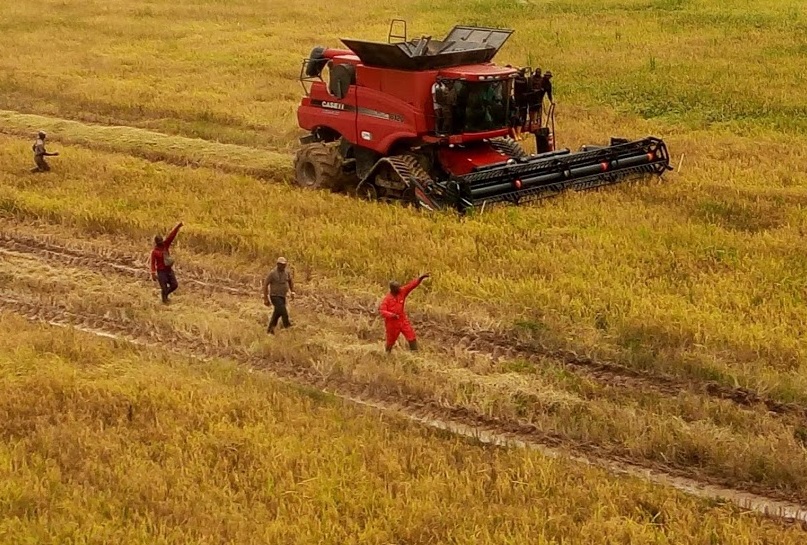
x=319, y=166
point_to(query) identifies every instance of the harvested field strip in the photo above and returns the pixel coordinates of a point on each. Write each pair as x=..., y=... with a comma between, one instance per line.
x=153, y=146
x=713, y=441
x=453, y=334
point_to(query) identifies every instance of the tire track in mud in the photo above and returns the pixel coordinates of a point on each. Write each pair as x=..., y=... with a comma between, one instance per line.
x=449, y=332
x=455, y=420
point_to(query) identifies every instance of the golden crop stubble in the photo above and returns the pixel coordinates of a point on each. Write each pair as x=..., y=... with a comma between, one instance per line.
x=151, y=447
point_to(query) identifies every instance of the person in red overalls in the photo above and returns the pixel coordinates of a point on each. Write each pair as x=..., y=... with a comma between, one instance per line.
x=162, y=264
x=395, y=319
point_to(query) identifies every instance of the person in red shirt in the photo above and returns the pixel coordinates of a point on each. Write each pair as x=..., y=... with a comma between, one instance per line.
x=395, y=319
x=162, y=264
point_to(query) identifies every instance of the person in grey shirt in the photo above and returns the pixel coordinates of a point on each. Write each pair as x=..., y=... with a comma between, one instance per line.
x=277, y=284
x=40, y=153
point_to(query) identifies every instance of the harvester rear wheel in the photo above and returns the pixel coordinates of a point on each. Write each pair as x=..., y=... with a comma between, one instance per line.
x=319, y=166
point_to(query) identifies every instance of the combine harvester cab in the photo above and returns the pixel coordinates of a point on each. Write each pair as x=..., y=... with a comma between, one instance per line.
x=374, y=127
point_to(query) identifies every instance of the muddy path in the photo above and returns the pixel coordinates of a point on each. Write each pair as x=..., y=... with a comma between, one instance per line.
x=455, y=420
x=445, y=332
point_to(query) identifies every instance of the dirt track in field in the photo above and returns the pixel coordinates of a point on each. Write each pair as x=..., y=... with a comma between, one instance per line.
x=458, y=420
x=442, y=333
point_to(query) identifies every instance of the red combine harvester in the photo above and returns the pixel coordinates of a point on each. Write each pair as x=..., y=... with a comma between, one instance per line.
x=372, y=128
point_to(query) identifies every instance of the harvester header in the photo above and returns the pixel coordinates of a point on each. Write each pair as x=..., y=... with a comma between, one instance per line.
x=550, y=173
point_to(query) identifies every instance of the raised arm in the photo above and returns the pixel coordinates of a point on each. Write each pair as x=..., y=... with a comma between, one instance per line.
x=172, y=235
x=406, y=288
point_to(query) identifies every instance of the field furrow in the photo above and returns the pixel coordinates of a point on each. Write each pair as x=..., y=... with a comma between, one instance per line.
x=153, y=146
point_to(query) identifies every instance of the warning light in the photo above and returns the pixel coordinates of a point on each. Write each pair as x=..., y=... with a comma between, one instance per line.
x=517, y=183
x=604, y=166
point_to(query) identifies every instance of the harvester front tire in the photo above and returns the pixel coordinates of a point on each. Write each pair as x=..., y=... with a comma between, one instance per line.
x=319, y=166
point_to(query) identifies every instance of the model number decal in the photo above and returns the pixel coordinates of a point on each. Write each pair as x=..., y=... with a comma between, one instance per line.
x=381, y=115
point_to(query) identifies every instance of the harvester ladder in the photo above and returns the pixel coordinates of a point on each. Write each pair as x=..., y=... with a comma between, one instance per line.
x=550, y=122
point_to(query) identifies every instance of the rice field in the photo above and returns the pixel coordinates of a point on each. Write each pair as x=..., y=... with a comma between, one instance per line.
x=168, y=112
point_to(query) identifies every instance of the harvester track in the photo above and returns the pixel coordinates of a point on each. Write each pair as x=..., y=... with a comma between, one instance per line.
x=446, y=332
x=419, y=184
x=456, y=420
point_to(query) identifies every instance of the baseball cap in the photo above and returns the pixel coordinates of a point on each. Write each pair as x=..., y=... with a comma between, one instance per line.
x=281, y=260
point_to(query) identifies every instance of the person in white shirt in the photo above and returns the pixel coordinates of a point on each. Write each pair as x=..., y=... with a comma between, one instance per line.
x=40, y=153
x=439, y=92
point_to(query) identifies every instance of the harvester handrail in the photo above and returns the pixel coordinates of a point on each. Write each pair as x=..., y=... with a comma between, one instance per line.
x=390, y=35
x=550, y=120
x=308, y=79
